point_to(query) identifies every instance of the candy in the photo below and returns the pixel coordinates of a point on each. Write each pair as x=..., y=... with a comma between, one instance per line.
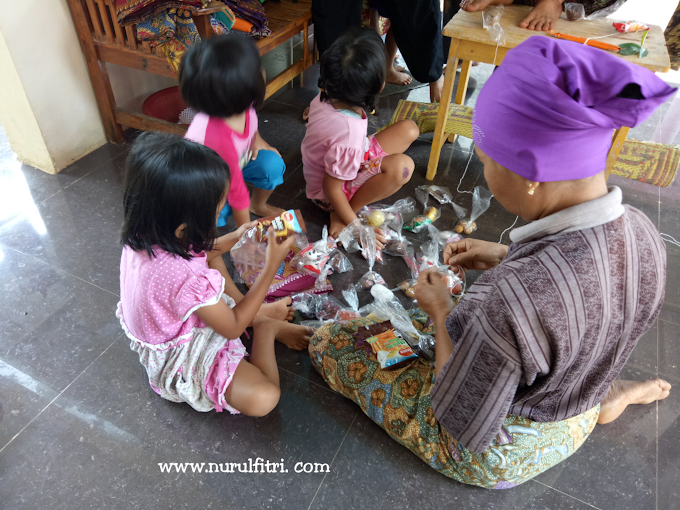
x=283, y=225
x=370, y=279
x=375, y=218
x=431, y=213
x=629, y=26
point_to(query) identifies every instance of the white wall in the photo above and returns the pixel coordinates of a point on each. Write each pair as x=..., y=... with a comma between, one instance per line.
x=17, y=118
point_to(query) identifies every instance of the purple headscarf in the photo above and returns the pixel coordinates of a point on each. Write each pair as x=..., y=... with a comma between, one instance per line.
x=547, y=113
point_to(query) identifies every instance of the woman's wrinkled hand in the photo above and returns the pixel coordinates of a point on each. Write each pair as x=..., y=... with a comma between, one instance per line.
x=432, y=294
x=473, y=254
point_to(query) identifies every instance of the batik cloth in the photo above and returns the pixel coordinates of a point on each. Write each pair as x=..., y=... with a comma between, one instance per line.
x=171, y=32
x=131, y=12
x=383, y=23
x=399, y=402
x=672, y=35
x=252, y=11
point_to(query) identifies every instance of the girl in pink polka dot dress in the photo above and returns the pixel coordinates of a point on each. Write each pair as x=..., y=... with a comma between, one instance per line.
x=173, y=304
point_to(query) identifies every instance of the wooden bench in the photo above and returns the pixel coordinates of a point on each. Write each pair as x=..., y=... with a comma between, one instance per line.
x=103, y=40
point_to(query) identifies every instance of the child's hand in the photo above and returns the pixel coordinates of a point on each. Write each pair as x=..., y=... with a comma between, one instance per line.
x=379, y=238
x=260, y=145
x=242, y=229
x=277, y=251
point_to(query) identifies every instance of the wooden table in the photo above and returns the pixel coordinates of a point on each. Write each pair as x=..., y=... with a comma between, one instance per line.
x=470, y=42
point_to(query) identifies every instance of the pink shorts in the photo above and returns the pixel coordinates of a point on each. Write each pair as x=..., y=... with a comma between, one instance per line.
x=368, y=168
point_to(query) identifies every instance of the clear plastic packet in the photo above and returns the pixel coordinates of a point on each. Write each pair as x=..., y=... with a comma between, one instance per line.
x=321, y=258
x=574, y=11
x=453, y=282
x=443, y=237
x=392, y=310
x=428, y=256
x=603, y=13
x=430, y=215
x=630, y=27
x=314, y=324
x=328, y=307
x=305, y=302
x=392, y=216
x=350, y=238
x=249, y=255
x=491, y=21
x=367, y=238
x=352, y=311
x=481, y=200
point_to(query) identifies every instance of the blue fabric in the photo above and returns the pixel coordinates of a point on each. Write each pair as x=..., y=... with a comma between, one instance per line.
x=265, y=172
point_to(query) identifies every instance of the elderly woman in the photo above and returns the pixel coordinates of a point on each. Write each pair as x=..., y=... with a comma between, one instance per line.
x=527, y=362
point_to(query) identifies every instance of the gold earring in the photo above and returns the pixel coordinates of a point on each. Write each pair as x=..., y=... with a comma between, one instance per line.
x=531, y=191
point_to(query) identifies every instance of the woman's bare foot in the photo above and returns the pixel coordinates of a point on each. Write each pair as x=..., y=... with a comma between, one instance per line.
x=279, y=310
x=623, y=393
x=398, y=77
x=264, y=210
x=337, y=225
x=305, y=114
x=474, y=5
x=543, y=17
x=436, y=90
x=294, y=336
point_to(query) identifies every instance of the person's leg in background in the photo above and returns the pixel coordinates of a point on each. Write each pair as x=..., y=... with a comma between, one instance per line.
x=417, y=30
x=332, y=18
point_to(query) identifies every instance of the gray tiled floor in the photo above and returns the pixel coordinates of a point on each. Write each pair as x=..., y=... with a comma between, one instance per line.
x=80, y=427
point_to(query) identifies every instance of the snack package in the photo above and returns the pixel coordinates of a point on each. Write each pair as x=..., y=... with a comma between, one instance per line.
x=574, y=11
x=491, y=21
x=481, y=200
x=321, y=258
x=390, y=349
x=629, y=26
x=388, y=308
x=443, y=237
x=284, y=225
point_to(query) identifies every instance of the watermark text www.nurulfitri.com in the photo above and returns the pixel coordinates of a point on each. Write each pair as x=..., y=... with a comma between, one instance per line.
x=259, y=466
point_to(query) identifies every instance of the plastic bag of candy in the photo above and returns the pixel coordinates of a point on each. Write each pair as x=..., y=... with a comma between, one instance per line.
x=367, y=239
x=249, y=255
x=392, y=216
x=629, y=27
x=430, y=213
x=491, y=21
x=328, y=307
x=321, y=258
x=443, y=237
x=352, y=311
x=428, y=256
x=350, y=238
x=481, y=200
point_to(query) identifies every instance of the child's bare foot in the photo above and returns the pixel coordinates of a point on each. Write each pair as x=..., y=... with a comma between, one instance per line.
x=305, y=114
x=337, y=225
x=436, y=90
x=474, y=5
x=396, y=75
x=544, y=16
x=623, y=393
x=279, y=310
x=294, y=336
x=265, y=209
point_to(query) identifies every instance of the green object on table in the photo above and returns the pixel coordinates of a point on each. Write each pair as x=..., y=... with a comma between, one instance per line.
x=642, y=42
x=632, y=49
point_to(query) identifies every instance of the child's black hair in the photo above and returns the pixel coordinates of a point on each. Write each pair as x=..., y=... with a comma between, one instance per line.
x=354, y=68
x=222, y=76
x=170, y=182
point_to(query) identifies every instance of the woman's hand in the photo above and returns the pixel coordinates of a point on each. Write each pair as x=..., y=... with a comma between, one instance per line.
x=474, y=254
x=433, y=295
x=277, y=251
x=260, y=145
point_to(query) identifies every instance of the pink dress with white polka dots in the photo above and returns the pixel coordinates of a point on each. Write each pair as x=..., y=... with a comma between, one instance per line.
x=186, y=360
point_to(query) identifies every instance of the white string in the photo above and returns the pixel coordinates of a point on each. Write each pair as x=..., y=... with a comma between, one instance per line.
x=472, y=151
x=496, y=53
x=509, y=228
x=671, y=240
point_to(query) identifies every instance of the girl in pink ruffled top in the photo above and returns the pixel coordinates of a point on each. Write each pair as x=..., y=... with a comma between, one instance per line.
x=173, y=304
x=344, y=168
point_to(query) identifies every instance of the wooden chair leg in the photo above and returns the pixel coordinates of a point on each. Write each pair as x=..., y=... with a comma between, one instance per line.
x=442, y=115
x=98, y=74
x=617, y=143
x=461, y=90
